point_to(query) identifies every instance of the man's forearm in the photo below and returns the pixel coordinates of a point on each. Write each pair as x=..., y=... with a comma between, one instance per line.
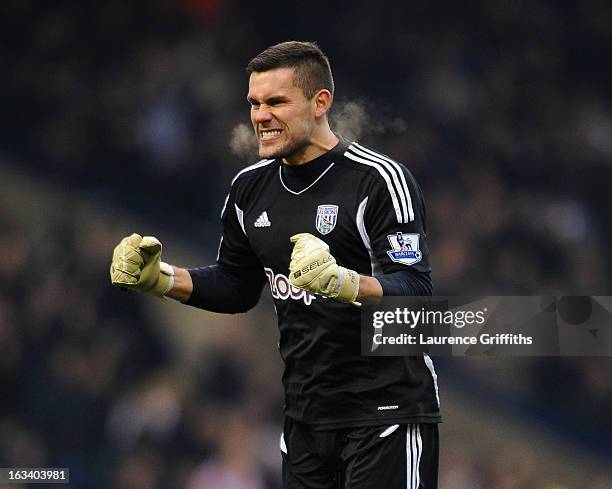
x=398, y=283
x=183, y=285
x=223, y=289
x=369, y=287
x=406, y=283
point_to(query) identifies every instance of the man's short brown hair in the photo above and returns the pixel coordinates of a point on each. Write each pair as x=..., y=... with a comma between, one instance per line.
x=312, y=69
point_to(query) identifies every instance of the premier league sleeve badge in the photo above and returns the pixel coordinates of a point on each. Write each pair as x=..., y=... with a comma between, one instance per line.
x=404, y=248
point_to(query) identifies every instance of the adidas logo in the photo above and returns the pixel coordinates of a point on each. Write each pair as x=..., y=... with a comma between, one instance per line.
x=263, y=221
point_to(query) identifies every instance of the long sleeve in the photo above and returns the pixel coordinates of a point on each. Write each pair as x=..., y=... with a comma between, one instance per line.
x=224, y=289
x=395, y=224
x=235, y=283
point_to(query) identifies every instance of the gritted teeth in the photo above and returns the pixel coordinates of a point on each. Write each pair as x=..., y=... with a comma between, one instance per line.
x=270, y=133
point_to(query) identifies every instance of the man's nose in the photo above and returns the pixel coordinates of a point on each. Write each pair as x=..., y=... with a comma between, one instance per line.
x=262, y=114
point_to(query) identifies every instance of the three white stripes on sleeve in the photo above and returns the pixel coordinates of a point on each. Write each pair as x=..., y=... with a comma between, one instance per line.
x=393, y=176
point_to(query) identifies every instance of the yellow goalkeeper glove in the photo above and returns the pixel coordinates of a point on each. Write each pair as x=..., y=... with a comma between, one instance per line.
x=137, y=266
x=314, y=269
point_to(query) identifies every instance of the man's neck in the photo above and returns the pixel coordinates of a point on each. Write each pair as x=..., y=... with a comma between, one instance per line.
x=317, y=146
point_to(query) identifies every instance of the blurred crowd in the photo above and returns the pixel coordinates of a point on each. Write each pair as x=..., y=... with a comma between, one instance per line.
x=500, y=109
x=89, y=382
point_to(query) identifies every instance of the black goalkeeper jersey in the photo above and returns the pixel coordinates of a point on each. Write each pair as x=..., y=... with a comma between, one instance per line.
x=369, y=209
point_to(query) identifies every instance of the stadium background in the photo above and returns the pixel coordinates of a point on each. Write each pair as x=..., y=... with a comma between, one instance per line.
x=121, y=116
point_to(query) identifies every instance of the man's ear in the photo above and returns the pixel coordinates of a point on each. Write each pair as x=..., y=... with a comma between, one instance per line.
x=322, y=101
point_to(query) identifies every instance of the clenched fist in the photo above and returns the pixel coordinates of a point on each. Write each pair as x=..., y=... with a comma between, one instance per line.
x=314, y=269
x=137, y=266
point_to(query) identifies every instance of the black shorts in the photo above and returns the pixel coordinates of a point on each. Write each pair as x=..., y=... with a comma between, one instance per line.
x=373, y=457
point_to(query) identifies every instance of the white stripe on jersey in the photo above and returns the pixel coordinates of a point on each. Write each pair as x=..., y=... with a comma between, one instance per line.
x=385, y=175
x=392, y=172
x=259, y=164
x=240, y=216
x=224, y=206
x=434, y=376
x=397, y=167
x=219, y=249
x=364, y=235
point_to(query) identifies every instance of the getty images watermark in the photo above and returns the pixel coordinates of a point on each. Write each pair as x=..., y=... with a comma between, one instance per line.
x=488, y=325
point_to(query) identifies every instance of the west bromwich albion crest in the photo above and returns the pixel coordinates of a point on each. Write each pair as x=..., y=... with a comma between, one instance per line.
x=405, y=248
x=327, y=216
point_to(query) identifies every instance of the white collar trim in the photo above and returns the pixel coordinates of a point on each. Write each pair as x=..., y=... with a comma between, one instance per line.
x=280, y=174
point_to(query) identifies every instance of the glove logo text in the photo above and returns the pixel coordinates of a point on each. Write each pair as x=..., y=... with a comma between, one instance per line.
x=282, y=289
x=310, y=267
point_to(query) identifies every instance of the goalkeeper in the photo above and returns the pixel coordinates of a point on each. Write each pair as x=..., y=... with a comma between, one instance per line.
x=326, y=222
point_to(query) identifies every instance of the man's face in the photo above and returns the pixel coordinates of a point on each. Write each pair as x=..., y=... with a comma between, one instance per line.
x=283, y=118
